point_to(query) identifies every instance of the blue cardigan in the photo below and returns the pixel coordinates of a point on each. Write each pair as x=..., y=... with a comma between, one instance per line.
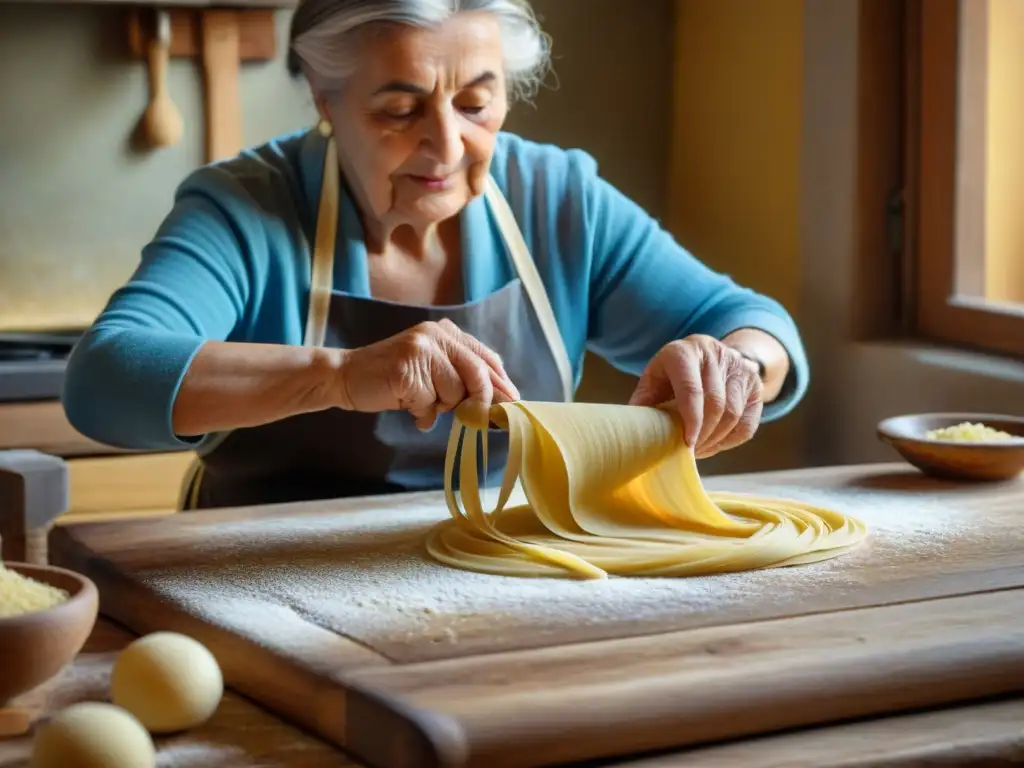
x=230, y=262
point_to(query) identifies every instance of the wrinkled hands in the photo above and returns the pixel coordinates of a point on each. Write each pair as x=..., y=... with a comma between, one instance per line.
x=433, y=367
x=718, y=392
x=426, y=370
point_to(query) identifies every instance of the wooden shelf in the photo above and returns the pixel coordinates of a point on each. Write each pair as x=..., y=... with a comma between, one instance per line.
x=256, y=33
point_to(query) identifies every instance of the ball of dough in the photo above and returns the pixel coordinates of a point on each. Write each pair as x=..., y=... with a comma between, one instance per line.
x=170, y=682
x=93, y=735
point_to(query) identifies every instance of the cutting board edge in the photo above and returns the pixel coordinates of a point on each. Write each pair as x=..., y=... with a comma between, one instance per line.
x=976, y=734
x=375, y=719
x=977, y=673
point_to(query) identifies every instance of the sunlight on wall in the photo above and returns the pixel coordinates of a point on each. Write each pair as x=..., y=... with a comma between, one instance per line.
x=734, y=189
x=735, y=168
x=1004, y=262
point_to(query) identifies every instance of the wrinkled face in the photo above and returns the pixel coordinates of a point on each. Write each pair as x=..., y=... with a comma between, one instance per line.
x=416, y=123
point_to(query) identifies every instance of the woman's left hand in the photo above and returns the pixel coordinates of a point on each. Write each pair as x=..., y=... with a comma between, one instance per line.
x=718, y=392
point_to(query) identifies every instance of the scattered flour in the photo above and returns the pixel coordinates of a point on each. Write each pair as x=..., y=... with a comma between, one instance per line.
x=200, y=756
x=366, y=575
x=292, y=749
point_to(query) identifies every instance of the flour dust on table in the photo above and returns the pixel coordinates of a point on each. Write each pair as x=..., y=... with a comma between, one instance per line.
x=304, y=579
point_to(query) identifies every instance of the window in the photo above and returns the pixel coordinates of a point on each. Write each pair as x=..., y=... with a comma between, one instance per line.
x=965, y=133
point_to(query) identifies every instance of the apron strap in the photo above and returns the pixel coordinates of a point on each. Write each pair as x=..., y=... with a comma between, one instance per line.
x=532, y=283
x=321, y=278
x=321, y=282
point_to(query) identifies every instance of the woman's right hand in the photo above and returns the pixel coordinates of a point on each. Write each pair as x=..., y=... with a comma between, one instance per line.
x=426, y=370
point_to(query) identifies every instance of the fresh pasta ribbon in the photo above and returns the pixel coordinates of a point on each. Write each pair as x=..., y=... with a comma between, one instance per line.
x=614, y=490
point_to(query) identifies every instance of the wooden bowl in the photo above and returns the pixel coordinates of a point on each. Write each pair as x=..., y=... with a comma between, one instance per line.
x=954, y=460
x=34, y=647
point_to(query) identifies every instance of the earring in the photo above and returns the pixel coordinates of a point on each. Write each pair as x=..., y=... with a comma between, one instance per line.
x=324, y=128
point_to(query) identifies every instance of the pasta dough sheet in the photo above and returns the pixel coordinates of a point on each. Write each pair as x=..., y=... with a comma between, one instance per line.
x=613, y=489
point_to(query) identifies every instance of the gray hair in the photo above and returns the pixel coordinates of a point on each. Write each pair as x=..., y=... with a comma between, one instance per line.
x=322, y=34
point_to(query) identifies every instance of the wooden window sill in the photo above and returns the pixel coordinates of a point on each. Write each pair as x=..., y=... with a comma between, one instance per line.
x=980, y=364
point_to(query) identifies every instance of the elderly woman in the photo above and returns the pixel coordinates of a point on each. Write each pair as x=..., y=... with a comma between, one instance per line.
x=310, y=312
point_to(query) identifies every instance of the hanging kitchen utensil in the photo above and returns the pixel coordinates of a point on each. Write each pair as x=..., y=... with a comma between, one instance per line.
x=162, y=120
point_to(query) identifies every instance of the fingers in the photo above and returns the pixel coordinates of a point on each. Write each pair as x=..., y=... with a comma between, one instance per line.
x=742, y=389
x=424, y=418
x=504, y=389
x=744, y=431
x=431, y=383
x=475, y=375
x=732, y=411
x=717, y=395
x=489, y=356
x=675, y=374
x=445, y=367
x=715, y=398
x=684, y=371
x=654, y=387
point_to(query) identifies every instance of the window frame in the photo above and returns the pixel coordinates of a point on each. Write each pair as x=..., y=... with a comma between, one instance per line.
x=944, y=206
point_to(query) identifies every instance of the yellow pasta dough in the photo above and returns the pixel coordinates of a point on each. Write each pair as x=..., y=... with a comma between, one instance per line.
x=614, y=489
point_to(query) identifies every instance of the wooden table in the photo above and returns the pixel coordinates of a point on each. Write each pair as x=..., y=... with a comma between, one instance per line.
x=243, y=735
x=927, y=615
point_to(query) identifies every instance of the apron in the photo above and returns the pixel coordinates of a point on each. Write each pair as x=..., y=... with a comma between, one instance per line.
x=336, y=453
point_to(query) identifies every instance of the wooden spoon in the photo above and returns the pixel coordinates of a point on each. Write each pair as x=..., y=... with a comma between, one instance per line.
x=162, y=120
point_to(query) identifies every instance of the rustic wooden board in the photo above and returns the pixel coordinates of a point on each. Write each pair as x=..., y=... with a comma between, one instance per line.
x=329, y=614
x=243, y=736
x=928, y=540
x=617, y=697
x=987, y=735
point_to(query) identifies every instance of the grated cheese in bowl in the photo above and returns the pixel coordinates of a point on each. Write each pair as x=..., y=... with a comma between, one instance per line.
x=968, y=432
x=20, y=594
